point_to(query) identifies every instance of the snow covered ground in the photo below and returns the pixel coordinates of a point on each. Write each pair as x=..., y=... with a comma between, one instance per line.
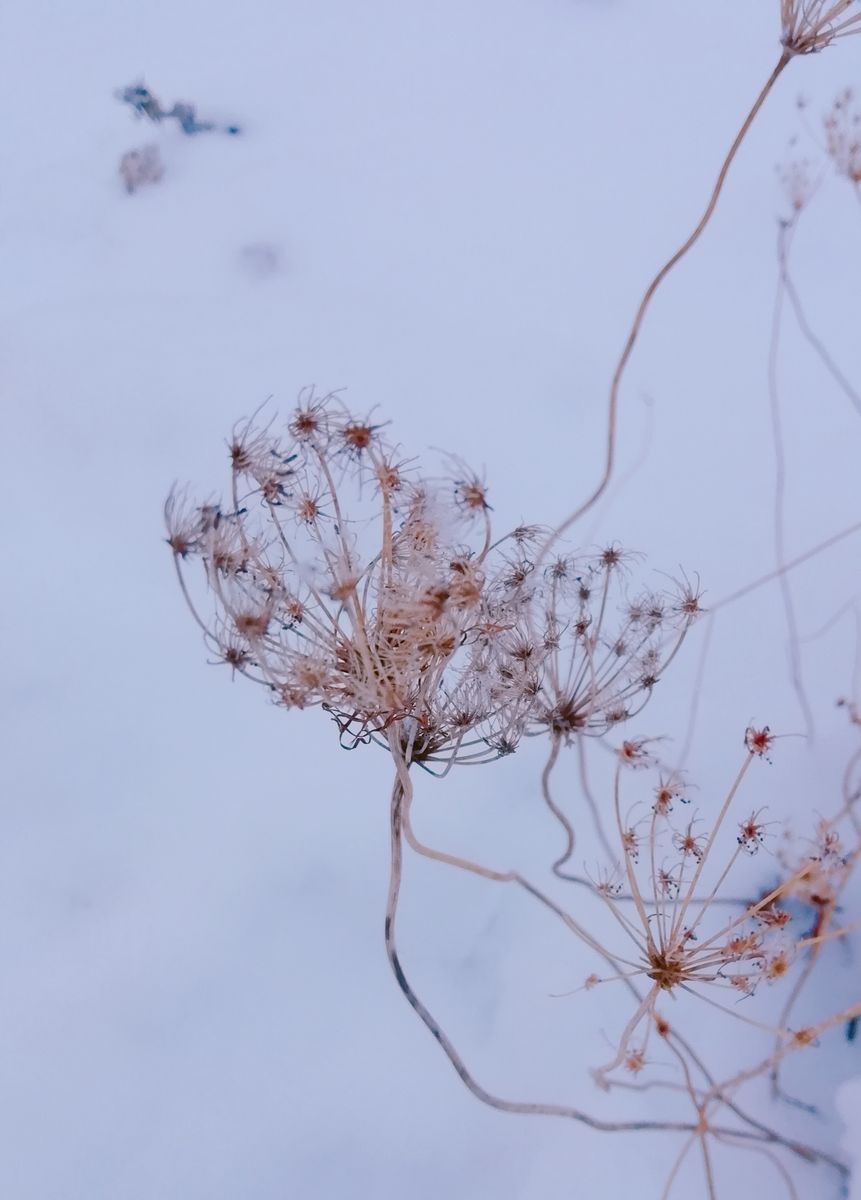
x=450, y=210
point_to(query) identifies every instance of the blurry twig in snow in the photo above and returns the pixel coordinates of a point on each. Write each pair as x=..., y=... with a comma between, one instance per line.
x=798, y=561
x=850, y=607
x=697, y=689
x=787, y=230
x=140, y=167
x=815, y=342
x=144, y=104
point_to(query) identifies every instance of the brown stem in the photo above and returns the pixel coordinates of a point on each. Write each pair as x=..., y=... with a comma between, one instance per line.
x=796, y=675
x=555, y=809
x=650, y=291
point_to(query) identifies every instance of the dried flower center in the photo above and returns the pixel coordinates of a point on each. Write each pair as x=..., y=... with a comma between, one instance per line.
x=667, y=970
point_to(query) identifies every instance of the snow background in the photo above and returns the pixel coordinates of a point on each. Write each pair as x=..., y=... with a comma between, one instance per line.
x=466, y=201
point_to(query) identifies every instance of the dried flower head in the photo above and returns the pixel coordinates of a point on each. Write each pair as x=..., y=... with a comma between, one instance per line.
x=678, y=940
x=337, y=576
x=799, y=182
x=606, y=652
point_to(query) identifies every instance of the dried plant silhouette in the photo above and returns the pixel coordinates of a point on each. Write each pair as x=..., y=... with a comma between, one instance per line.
x=339, y=573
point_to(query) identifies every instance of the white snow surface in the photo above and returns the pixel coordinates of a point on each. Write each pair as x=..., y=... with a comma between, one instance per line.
x=450, y=210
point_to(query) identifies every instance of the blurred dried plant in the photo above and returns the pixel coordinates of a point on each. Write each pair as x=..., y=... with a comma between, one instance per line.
x=141, y=167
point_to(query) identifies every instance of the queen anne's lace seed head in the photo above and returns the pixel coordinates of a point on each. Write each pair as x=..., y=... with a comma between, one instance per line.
x=338, y=576
x=690, y=941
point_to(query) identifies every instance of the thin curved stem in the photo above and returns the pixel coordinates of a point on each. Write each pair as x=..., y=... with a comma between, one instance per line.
x=554, y=807
x=650, y=291
x=799, y=560
x=779, y=516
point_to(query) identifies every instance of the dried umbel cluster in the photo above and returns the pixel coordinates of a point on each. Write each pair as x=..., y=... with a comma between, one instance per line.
x=341, y=576
x=605, y=648
x=843, y=136
x=679, y=941
x=683, y=939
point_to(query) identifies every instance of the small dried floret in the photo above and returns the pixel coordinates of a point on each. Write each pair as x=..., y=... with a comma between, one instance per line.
x=528, y=534
x=743, y=945
x=559, y=569
x=272, y=489
x=751, y=833
x=307, y=508
x=503, y=746
x=634, y=1061
x=635, y=752
x=521, y=650
x=613, y=556
x=310, y=418
x=669, y=789
x=358, y=436
x=667, y=883
x=185, y=524
x=519, y=570
x=777, y=965
x=687, y=603
x=471, y=494
x=743, y=983
x=759, y=741
x=772, y=916
x=250, y=623
x=631, y=843
x=804, y=1037
x=389, y=475
x=235, y=657
x=225, y=551
x=689, y=843
x=607, y=884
